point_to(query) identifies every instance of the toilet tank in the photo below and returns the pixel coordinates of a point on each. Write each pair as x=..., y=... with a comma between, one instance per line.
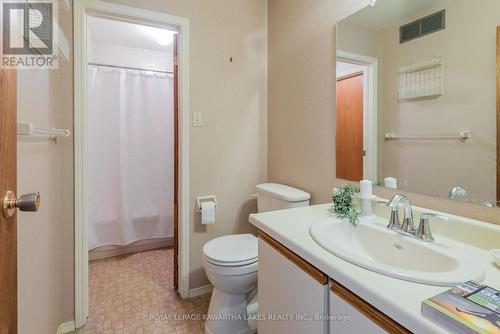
x=273, y=196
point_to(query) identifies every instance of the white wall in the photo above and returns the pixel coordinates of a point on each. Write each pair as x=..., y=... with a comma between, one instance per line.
x=127, y=56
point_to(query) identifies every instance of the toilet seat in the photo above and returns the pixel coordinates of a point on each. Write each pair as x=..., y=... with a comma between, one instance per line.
x=232, y=250
x=228, y=270
x=229, y=264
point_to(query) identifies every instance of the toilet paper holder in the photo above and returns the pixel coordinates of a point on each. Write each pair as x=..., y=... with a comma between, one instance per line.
x=201, y=199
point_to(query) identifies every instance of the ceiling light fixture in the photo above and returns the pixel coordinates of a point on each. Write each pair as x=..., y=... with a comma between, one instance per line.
x=373, y=2
x=162, y=36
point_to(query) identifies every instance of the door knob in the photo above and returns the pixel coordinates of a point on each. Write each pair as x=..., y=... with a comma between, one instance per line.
x=27, y=202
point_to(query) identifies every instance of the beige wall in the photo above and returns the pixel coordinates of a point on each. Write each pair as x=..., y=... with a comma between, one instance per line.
x=358, y=39
x=365, y=41
x=302, y=92
x=468, y=46
x=45, y=99
x=66, y=191
x=233, y=99
x=39, y=236
x=297, y=44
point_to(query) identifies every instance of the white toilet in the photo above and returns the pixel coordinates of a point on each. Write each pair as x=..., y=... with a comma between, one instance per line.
x=231, y=264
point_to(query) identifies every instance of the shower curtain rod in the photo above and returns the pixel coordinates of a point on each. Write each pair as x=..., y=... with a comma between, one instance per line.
x=131, y=68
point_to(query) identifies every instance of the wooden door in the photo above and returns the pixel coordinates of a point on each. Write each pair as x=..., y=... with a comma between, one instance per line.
x=8, y=238
x=349, y=140
x=176, y=161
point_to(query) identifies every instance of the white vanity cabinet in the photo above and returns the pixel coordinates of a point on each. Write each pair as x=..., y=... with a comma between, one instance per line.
x=345, y=319
x=351, y=314
x=292, y=293
x=297, y=298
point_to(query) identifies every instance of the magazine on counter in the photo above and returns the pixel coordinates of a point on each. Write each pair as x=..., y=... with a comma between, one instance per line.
x=467, y=308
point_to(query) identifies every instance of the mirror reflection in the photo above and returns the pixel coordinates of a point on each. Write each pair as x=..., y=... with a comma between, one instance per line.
x=416, y=97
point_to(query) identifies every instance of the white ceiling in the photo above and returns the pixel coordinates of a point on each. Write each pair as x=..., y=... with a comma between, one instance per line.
x=108, y=31
x=387, y=13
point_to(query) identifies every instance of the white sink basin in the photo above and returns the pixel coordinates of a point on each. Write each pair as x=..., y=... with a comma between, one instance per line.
x=372, y=246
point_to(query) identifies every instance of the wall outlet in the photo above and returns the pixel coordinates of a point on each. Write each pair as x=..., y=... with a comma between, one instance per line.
x=197, y=119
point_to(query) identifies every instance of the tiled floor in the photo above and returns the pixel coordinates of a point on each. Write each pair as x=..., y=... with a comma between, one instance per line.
x=134, y=294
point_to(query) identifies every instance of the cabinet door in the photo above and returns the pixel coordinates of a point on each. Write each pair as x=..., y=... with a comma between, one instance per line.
x=351, y=314
x=290, y=301
x=345, y=319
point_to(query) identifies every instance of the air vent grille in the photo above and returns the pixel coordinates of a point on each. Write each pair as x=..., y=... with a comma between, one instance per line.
x=424, y=26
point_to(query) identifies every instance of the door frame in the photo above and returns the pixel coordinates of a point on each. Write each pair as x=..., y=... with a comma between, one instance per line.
x=370, y=110
x=498, y=116
x=8, y=181
x=180, y=24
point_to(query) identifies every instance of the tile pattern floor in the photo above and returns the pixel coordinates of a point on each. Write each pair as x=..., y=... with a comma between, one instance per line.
x=134, y=294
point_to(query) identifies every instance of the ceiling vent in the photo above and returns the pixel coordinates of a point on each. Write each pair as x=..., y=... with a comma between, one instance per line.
x=424, y=26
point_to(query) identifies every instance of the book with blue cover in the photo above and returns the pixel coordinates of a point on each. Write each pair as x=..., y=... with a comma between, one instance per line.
x=468, y=308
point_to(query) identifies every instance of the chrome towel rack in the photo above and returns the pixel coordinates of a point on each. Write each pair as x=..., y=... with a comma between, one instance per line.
x=462, y=136
x=27, y=129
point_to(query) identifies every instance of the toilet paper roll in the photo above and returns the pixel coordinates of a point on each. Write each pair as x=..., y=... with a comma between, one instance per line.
x=391, y=183
x=366, y=189
x=207, y=213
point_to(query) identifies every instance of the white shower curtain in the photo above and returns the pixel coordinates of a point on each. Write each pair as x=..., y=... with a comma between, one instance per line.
x=130, y=156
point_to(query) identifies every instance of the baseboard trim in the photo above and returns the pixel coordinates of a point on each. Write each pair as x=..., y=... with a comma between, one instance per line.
x=66, y=327
x=202, y=290
x=139, y=246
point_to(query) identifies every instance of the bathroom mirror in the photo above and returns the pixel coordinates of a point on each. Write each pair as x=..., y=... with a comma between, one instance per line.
x=417, y=97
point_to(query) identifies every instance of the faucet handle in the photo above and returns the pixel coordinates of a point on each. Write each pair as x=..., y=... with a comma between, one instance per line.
x=424, y=230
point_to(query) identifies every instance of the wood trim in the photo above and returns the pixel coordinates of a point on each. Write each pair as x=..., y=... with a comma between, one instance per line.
x=498, y=114
x=300, y=262
x=367, y=309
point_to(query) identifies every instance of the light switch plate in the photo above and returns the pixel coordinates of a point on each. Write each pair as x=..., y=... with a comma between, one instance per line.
x=197, y=119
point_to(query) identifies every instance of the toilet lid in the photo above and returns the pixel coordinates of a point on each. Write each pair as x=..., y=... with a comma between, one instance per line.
x=232, y=249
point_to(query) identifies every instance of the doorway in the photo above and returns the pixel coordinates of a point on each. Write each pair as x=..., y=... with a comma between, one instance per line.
x=349, y=126
x=139, y=225
x=131, y=137
x=356, y=117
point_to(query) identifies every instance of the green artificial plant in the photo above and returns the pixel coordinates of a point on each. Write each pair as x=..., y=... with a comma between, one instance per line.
x=343, y=204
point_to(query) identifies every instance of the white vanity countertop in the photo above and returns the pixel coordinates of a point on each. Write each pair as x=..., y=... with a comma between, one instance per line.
x=399, y=299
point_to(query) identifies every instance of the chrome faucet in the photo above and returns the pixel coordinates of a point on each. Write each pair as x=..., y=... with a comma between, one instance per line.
x=394, y=224
x=423, y=232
